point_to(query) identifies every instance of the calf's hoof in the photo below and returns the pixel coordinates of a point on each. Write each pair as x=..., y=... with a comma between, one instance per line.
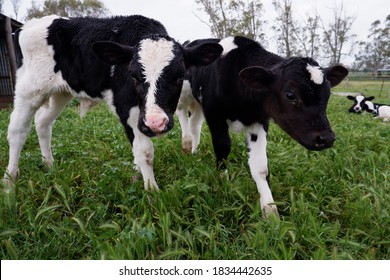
x=151, y=186
x=7, y=185
x=270, y=209
x=187, y=145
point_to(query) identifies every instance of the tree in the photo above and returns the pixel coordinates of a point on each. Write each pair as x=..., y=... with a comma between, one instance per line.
x=337, y=34
x=308, y=38
x=285, y=28
x=16, y=7
x=375, y=52
x=236, y=17
x=67, y=8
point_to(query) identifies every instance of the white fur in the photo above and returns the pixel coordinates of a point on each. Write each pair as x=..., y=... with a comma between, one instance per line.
x=316, y=74
x=228, y=45
x=370, y=105
x=258, y=164
x=143, y=151
x=236, y=126
x=190, y=125
x=39, y=91
x=384, y=113
x=36, y=83
x=86, y=105
x=358, y=106
x=154, y=56
x=108, y=97
x=44, y=120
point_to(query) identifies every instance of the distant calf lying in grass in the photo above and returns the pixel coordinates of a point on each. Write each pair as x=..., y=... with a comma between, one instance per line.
x=244, y=88
x=362, y=103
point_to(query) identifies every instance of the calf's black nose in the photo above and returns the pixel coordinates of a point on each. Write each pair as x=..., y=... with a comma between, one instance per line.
x=325, y=140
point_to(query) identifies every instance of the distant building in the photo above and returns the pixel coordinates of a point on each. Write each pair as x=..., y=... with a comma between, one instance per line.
x=384, y=72
x=7, y=59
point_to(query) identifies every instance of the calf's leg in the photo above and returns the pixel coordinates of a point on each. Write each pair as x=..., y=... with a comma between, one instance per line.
x=182, y=115
x=195, y=124
x=44, y=120
x=190, y=125
x=219, y=130
x=143, y=150
x=18, y=129
x=258, y=164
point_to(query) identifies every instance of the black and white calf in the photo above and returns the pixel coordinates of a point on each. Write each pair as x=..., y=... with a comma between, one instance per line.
x=245, y=87
x=362, y=103
x=129, y=62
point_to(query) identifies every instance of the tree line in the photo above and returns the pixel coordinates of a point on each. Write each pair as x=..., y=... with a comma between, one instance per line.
x=328, y=42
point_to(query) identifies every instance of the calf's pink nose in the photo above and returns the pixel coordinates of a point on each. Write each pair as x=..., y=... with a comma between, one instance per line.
x=156, y=122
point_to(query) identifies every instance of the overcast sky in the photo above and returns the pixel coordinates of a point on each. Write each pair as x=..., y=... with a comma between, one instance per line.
x=181, y=17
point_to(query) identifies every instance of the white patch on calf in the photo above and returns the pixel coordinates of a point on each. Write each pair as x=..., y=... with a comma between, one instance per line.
x=154, y=56
x=384, y=112
x=358, y=106
x=36, y=77
x=236, y=126
x=108, y=97
x=228, y=45
x=86, y=105
x=316, y=74
x=359, y=99
x=370, y=105
x=258, y=164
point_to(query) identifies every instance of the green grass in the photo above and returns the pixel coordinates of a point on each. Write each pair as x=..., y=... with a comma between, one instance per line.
x=334, y=204
x=379, y=88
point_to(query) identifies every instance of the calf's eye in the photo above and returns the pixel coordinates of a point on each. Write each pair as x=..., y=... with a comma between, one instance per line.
x=290, y=96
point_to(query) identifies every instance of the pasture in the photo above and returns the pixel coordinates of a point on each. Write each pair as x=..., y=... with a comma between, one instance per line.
x=333, y=204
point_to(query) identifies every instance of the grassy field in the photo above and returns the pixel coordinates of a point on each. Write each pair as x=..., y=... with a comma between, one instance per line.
x=334, y=204
x=378, y=88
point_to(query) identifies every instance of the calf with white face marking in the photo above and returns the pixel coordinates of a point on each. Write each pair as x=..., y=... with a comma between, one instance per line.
x=129, y=62
x=362, y=103
x=246, y=86
x=359, y=103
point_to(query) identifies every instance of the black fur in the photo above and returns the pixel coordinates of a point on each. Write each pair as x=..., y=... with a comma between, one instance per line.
x=255, y=98
x=87, y=71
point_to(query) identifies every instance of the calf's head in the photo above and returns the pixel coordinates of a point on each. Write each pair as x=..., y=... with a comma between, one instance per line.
x=295, y=95
x=155, y=70
x=361, y=103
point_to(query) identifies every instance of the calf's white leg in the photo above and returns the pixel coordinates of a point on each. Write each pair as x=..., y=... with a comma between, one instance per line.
x=195, y=123
x=143, y=151
x=44, y=120
x=18, y=129
x=190, y=125
x=258, y=164
x=182, y=115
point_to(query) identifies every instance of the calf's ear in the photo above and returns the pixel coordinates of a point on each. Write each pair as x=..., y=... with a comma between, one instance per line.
x=256, y=77
x=113, y=53
x=350, y=97
x=201, y=55
x=370, y=98
x=335, y=74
